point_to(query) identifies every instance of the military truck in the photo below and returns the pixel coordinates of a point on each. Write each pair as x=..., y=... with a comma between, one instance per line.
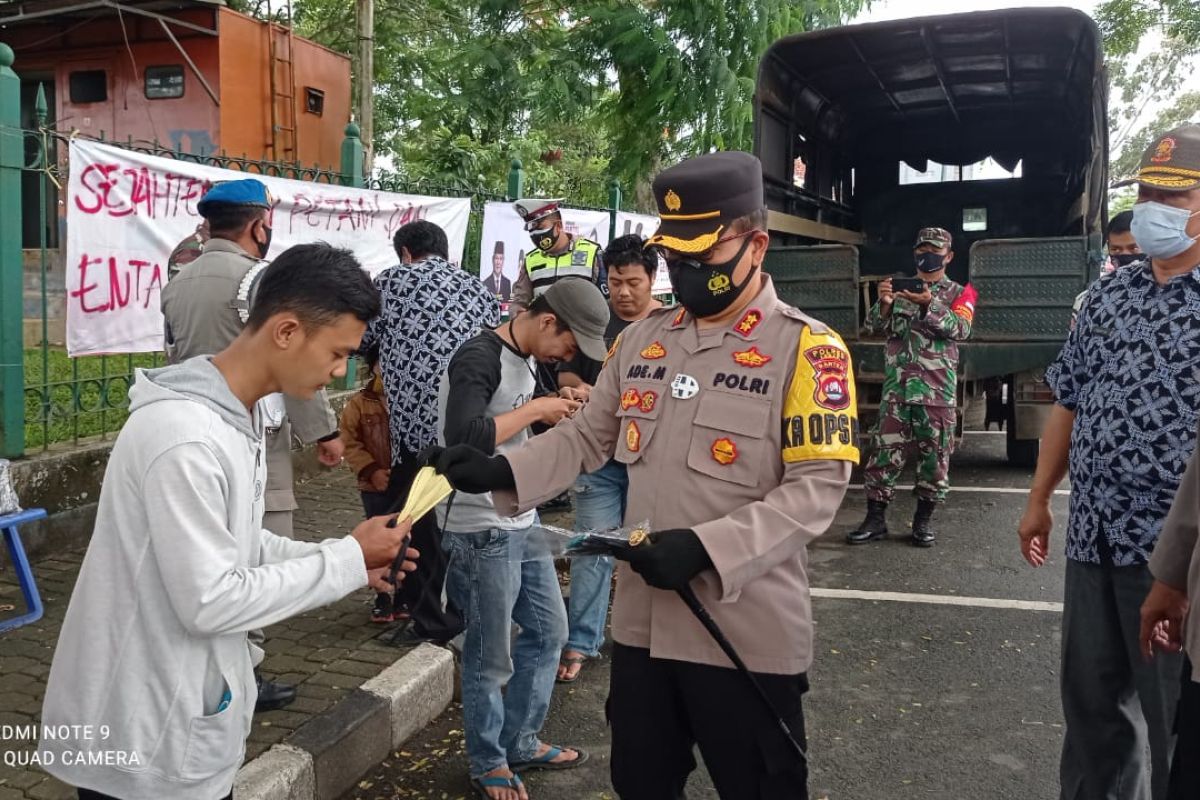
x=991, y=125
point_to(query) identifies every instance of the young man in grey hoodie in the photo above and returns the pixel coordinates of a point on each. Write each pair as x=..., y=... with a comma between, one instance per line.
x=152, y=688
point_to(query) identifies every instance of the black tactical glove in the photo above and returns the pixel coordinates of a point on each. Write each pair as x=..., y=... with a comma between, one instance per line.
x=469, y=470
x=668, y=559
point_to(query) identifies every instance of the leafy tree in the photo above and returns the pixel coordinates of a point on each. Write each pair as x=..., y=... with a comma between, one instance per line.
x=1154, y=81
x=582, y=92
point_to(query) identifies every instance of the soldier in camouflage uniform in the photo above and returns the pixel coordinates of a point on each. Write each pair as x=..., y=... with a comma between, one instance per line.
x=917, y=409
x=188, y=250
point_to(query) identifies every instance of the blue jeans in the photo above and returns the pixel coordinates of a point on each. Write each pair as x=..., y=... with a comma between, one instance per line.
x=599, y=504
x=494, y=586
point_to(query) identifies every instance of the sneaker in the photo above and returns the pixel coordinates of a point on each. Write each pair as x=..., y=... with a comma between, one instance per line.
x=381, y=612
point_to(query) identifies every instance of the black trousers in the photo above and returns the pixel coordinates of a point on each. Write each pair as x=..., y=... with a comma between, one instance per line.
x=660, y=709
x=421, y=591
x=1185, y=766
x=88, y=794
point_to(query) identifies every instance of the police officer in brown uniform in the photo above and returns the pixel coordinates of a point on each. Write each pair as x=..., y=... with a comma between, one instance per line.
x=735, y=415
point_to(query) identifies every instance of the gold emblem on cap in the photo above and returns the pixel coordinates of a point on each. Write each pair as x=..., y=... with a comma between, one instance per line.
x=1164, y=151
x=637, y=537
x=672, y=201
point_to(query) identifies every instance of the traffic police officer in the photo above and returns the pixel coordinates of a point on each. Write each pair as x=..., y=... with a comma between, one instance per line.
x=556, y=254
x=205, y=307
x=735, y=415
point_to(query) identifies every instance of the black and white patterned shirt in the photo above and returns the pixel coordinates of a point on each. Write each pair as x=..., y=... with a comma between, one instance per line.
x=1129, y=372
x=430, y=308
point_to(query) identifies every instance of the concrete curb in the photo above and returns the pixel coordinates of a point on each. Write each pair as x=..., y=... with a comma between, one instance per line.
x=328, y=754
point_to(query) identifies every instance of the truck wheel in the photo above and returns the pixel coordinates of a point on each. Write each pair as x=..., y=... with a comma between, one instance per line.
x=1022, y=452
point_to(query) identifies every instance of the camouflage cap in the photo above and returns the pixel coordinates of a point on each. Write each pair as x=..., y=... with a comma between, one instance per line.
x=938, y=237
x=1171, y=162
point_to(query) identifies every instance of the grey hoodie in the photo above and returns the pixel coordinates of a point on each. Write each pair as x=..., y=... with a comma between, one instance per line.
x=153, y=652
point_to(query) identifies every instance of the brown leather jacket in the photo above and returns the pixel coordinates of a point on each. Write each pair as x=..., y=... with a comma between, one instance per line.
x=364, y=428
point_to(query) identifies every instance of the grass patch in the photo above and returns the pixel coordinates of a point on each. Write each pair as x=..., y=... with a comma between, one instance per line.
x=67, y=399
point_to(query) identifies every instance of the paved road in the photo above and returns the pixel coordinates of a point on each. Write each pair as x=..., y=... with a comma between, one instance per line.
x=927, y=700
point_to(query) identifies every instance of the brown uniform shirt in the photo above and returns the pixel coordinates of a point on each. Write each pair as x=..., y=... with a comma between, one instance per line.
x=745, y=434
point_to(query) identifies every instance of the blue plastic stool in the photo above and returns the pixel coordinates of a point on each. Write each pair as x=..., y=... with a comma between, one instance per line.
x=16, y=552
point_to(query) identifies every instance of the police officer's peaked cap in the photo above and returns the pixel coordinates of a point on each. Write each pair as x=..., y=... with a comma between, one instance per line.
x=534, y=209
x=244, y=192
x=700, y=198
x=1171, y=162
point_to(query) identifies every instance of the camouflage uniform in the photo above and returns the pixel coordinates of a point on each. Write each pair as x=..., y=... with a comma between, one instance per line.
x=186, y=252
x=920, y=379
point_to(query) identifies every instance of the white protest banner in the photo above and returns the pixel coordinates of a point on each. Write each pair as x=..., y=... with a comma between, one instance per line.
x=644, y=225
x=505, y=243
x=126, y=212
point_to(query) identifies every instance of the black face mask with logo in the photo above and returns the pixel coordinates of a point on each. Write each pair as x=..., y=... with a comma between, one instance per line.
x=707, y=289
x=929, y=262
x=543, y=239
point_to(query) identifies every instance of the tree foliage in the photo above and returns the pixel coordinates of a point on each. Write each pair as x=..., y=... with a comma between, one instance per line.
x=618, y=86
x=1153, y=50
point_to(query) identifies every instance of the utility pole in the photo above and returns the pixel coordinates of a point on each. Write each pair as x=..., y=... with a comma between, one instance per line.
x=366, y=79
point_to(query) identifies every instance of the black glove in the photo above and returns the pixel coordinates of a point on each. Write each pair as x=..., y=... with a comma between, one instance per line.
x=668, y=559
x=469, y=470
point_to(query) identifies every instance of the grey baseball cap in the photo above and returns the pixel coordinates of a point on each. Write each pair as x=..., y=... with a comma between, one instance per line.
x=583, y=309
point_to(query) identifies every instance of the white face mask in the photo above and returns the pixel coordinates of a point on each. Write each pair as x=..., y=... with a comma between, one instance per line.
x=1161, y=230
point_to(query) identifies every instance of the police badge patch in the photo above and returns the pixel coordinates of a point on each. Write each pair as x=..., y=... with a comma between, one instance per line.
x=831, y=367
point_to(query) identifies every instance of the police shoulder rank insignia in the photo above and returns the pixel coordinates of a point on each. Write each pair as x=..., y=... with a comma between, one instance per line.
x=831, y=367
x=630, y=398
x=633, y=437
x=751, y=357
x=647, y=402
x=679, y=315
x=749, y=321
x=724, y=451
x=655, y=350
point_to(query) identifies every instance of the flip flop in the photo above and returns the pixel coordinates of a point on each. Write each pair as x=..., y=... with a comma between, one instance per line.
x=570, y=661
x=546, y=760
x=481, y=785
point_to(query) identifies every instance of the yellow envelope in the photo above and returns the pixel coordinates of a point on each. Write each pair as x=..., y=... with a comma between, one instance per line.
x=428, y=489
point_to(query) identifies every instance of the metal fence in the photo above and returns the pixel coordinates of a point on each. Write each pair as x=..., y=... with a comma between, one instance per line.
x=49, y=399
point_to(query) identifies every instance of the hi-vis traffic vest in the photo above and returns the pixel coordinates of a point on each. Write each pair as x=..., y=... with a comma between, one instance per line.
x=579, y=262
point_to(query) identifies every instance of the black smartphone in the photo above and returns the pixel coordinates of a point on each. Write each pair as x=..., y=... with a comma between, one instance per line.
x=914, y=285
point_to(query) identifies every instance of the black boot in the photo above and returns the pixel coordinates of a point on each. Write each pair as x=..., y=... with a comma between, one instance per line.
x=873, y=527
x=922, y=534
x=271, y=695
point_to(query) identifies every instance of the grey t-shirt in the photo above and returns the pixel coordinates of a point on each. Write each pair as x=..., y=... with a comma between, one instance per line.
x=485, y=378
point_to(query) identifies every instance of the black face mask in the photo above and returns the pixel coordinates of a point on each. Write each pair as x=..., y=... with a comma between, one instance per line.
x=1125, y=259
x=929, y=262
x=544, y=239
x=264, y=247
x=707, y=289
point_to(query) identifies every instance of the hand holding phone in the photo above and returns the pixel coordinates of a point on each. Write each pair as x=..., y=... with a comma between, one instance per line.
x=914, y=285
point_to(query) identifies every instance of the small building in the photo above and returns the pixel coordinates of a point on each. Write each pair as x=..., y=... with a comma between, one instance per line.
x=191, y=75
x=188, y=75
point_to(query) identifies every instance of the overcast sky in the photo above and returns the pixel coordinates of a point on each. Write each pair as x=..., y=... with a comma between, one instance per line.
x=898, y=9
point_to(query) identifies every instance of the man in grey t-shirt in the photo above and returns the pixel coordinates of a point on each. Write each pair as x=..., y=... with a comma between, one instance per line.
x=488, y=398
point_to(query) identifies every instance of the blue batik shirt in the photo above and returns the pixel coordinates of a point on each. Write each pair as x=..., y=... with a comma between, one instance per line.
x=430, y=308
x=1130, y=370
